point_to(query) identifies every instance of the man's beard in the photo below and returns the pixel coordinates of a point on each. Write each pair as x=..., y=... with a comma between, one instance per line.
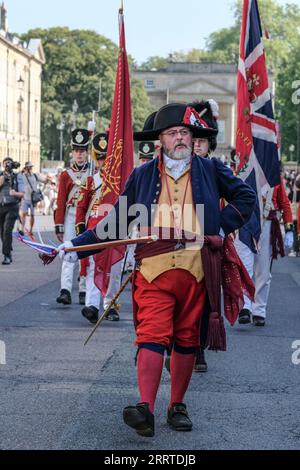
x=181, y=154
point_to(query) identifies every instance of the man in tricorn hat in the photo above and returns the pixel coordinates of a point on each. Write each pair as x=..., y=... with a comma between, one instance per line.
x=146, y=152
x=203, y=147
x=87, y=217
x=176, y=281
x=68, y=191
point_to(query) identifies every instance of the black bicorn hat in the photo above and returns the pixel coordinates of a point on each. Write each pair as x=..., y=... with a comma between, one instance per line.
x=100, y=146
x=173, y=115
x=80, y=139
x=146, y=150
x=100, y=143
x=209, y=112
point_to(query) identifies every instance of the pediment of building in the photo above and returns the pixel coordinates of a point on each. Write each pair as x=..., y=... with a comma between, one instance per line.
x=204, y=87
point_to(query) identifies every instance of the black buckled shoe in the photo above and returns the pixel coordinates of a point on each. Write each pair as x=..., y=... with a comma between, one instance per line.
x=140, y=418
x=258, y=321
x=64, y=297
x=81, y=298
x=178, y=418
x=112, y=315
x=244, y=317
x=91, y=314
x=6, y=261
x=200, y=363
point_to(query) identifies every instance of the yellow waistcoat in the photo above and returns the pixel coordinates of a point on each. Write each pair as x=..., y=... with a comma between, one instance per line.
x=188, y=259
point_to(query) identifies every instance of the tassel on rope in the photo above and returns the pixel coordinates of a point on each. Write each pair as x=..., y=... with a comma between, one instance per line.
x=216, y=336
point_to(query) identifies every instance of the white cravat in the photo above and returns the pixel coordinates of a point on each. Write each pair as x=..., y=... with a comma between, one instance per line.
x=177, y=168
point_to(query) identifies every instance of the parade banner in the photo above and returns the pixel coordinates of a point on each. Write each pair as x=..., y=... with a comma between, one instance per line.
x=256, y=139
x=119, y=161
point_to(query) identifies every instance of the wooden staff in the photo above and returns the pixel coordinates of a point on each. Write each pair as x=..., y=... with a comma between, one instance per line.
x=103, y=246
x=112, y=303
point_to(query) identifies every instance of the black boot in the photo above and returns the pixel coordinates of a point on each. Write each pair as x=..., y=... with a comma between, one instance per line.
x=140, y=418
x=91, y=314
x=112, y=315
x=81, y=298
x=64, y=297
x=200, y=364
x=244, y=317
x=6, y=261
x=258, y=321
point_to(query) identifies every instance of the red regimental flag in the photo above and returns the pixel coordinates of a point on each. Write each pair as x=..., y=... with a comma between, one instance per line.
x=119, y=161
x=244, y=141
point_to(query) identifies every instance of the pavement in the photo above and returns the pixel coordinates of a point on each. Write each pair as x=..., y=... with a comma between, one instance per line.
x=57, y=394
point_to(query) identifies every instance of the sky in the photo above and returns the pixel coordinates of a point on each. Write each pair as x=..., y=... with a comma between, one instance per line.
x=153, y=27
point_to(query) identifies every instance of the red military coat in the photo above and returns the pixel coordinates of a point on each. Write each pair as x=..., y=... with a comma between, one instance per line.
x=282, y=203
x=65, y=198
x=88, y=203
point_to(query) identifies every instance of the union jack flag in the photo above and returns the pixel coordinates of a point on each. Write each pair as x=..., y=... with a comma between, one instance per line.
x=256, y=140
x=41, y=248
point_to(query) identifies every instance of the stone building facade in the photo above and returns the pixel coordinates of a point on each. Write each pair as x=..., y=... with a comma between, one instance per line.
x=20, y=96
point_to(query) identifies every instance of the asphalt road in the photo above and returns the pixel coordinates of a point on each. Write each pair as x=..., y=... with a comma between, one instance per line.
x=57, y=394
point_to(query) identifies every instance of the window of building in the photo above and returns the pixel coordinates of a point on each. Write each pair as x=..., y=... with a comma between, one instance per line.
x=149, y=83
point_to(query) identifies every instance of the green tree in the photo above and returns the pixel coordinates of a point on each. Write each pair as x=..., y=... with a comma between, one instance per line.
x=288, y=102
x=155, y=63
x=76, y=60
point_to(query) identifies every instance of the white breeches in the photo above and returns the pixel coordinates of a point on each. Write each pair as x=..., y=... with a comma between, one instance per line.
x=67, y=270
x=258, y=267
x=93, y=295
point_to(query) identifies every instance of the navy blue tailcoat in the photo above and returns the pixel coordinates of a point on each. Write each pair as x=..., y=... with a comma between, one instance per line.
x=211, y=180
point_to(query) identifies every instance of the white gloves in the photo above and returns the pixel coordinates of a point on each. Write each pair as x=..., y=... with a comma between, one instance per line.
x=68, y=257
x=289, y=240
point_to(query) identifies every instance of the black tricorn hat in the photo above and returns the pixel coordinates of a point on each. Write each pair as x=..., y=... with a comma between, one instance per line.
x=173, y=115
x=146, y=150
x=149, y=123
x=80, y=139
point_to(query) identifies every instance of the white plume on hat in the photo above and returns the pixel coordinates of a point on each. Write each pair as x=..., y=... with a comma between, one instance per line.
x=214, y=108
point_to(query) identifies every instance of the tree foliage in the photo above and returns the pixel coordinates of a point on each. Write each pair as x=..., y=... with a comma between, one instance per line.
x=76, y=61
x=288, y=102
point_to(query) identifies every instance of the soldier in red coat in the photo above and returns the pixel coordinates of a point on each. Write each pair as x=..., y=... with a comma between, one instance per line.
x=87, y=217
x=69, y=185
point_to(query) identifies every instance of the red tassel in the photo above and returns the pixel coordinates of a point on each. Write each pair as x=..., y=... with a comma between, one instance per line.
x=216, y=337
x=47, y=259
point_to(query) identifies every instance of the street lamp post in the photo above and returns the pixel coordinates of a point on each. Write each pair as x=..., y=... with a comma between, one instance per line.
x=60, y=127
x=20, y=103
x=298, y=138
x=292, y=150
x=75, y=108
